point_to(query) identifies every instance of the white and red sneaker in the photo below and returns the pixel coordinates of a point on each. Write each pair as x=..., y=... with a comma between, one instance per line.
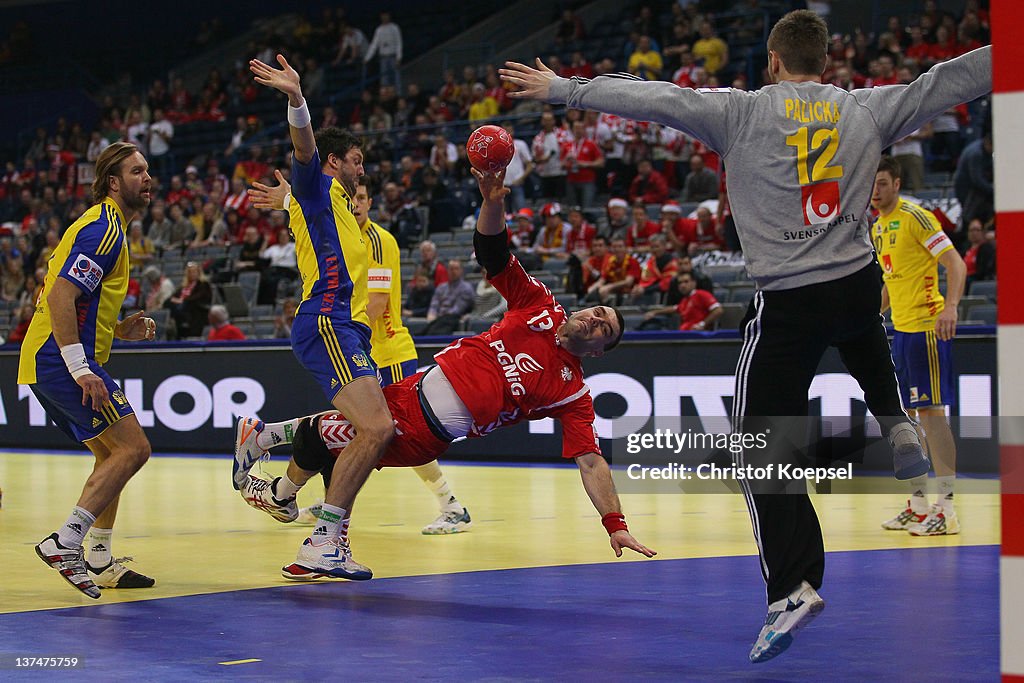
x=259, y=493
x=904, y=520
x=939, y=522
x=327, y=560
x=247, y=452
x=69, y=562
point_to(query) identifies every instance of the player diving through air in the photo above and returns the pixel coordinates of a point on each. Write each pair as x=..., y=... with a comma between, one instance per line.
x=525, y=367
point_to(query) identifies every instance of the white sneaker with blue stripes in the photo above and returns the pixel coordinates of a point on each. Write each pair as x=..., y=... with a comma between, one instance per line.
x=326, y=560
x=785, y=618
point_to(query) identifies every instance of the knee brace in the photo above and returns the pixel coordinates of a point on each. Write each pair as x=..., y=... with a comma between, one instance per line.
x=308, y=448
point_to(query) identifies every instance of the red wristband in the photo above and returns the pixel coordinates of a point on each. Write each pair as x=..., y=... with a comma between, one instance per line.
x=614, y=521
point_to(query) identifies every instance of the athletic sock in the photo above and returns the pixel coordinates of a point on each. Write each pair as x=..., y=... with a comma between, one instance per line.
x=97, y=550
x=343, y=529
x=72, y=534
x=328, y=526
x=918, y=499
x=284, y=488
x=946, y=486
x=277, y=433
x=435, y=480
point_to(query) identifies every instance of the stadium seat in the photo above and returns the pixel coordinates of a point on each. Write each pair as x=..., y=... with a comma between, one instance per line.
x=986, y=313
x=234, y=300
x=555, y=265
x=723, y=275
x=732, y=316
x=249, y=283
x=476, y=324
x=567, y=301
x=985, y=288
x=741, y=293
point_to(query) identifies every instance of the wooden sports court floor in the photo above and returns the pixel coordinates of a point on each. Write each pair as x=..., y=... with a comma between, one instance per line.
x=532, y=592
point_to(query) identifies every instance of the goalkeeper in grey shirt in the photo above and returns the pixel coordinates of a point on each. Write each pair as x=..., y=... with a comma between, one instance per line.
x=802, y=158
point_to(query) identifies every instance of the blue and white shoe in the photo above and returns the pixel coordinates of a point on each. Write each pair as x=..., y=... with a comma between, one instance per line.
x=785, y=618
x=327, y=560
x=247, y=453
x=908, y=457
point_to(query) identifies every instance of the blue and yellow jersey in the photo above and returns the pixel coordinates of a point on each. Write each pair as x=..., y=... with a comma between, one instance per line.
x=92, y=255
x=391, y=342
x=328, y=245
x=909, y=241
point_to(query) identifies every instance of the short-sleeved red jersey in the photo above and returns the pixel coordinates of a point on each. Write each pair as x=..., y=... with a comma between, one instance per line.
x=517, y=370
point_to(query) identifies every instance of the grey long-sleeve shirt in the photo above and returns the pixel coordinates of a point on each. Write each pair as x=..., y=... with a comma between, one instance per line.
x=801, y=157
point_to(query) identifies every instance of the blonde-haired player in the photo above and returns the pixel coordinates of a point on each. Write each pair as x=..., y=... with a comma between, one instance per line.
x=910, y=245
x=62, y=360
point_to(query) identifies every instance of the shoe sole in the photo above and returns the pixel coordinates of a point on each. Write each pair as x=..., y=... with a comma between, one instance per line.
x=83, y=591
x=782, y=642
x=918, y=469
x=240, y=465
x=297, y=572
x=938, y=533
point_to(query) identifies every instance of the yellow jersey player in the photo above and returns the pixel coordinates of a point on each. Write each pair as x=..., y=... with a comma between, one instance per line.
x=61, y=361
x=331, y=333
x=910, y=245
x=393, y=349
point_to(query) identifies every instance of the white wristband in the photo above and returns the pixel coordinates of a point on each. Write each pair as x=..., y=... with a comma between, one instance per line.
x=75, y=360
x=298, y=117
x=287, y=201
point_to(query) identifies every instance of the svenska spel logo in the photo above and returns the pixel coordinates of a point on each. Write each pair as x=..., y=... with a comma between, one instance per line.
x=820, y=202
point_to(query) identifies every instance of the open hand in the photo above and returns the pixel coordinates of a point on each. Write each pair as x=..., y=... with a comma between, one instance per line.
x=623, y=539
x=534, y=84
x=285, y=79
x=266, y=197
x=492, y=187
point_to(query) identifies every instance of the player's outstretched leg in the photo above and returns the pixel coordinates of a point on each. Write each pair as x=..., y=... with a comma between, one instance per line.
x=785, y=618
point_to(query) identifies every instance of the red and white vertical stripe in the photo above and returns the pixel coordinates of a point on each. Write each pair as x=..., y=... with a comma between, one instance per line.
x=1008, y=135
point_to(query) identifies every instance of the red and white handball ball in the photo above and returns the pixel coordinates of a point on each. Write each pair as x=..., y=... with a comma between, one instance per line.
x=490, y=148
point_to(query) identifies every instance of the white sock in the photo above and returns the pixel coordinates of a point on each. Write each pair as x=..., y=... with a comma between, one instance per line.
x=97, y=550
x=72, y=534
x=946, y=486
x=284, y=488
x=435, y=480
x=277, y=433
x=918, y=499
x=328, y=527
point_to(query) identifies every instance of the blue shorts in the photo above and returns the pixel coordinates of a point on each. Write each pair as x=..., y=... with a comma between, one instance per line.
x=389, y=374
x=61, y=398
x=334, y=351
x=924, y=368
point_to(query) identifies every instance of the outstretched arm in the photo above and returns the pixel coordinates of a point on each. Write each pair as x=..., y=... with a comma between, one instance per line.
x=710, y=115
x=597, y=480
x=286, y=80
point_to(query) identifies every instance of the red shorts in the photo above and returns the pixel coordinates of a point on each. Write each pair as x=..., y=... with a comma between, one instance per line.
x=414, y=444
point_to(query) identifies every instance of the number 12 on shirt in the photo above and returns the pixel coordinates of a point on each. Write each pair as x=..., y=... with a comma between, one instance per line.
x=804, y=143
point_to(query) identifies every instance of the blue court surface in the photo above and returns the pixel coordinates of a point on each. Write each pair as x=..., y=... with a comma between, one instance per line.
x=905, y=615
